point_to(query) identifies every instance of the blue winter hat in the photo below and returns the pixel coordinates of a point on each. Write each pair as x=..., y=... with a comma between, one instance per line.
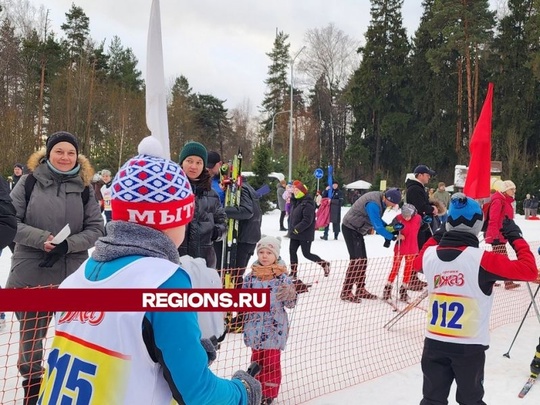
x=464, y=215
x=393, y=195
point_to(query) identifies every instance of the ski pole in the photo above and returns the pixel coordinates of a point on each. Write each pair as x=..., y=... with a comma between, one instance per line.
x=507, y=354
x=406, y=310
x=534, y=301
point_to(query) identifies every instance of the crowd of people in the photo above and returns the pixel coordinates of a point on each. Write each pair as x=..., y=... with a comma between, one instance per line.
x=61, y=191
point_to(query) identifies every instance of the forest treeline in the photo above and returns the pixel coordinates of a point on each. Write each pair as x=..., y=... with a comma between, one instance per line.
x=372, y=108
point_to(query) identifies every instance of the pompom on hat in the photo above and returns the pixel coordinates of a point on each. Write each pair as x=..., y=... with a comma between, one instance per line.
x=151, y=190
x=271, y=243
x=464, y=215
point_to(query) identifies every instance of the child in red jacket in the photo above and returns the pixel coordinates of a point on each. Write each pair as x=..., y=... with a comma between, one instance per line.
x=406, y=247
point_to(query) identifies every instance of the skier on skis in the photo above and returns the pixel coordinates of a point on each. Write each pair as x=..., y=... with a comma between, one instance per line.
x=460, y=279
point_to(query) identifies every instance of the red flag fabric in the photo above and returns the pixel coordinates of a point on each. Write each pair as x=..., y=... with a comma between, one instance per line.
x=478, y=181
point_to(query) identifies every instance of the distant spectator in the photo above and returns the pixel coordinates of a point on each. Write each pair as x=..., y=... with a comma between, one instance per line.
x=97, y=183
x=214, y=168
x=336, y=203
x=18, y=171
x=499, y=209
x=281, y=203
x=106, y=192
x=318, y=198
x=527, y=202
x=443, y=197
x=534, y=206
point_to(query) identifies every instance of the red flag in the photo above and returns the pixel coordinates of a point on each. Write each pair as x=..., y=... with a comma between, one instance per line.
x=478, y=181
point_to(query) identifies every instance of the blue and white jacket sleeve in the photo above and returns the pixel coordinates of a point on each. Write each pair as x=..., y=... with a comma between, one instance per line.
x=374, y=214
x=178, y=349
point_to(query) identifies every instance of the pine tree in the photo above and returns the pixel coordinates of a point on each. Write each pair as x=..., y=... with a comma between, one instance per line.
x=377, y=92
x=517, y=87
x=276, y=98
x=466, y=28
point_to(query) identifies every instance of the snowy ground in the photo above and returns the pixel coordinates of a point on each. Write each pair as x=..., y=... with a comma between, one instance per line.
x=343, y=361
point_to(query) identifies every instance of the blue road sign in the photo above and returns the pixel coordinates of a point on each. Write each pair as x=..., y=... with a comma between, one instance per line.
x=318, y=173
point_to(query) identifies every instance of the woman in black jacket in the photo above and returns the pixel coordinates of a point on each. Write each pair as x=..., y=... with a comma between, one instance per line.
x=209, y=222
x=302, y=228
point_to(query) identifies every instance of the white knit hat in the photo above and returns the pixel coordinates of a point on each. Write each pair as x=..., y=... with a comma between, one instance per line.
x=270, y=243
x=507, y=185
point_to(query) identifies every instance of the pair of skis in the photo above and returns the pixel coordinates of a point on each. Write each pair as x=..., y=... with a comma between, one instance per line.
x=231, y=180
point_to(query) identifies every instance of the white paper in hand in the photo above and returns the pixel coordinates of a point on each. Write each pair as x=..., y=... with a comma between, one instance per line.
x=62, y=235
x=389, y=215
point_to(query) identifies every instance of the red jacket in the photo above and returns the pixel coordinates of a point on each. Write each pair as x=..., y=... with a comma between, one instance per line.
x=501, y=207
x=409, y=245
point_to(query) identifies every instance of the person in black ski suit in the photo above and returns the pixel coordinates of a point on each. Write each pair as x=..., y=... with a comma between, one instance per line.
x=249, y=217
x=302, y=228
x=416, y=195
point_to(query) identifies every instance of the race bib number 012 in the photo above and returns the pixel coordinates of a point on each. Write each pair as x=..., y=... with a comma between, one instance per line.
x=453, y=316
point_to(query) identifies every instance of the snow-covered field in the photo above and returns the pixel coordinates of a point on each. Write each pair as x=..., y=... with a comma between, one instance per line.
x=339, y=353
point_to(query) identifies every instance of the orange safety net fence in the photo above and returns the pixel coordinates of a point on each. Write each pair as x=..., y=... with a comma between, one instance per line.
x=332, y=345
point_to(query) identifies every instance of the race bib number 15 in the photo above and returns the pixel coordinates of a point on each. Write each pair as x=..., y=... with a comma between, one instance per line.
x=83, y=374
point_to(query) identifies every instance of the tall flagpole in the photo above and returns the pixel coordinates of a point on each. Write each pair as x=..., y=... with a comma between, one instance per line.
x=156, y=92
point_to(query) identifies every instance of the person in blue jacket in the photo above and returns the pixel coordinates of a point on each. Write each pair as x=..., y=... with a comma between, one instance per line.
x=137, y=357
x=365, y=214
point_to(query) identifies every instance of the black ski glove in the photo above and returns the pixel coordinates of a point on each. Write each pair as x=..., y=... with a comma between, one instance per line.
x=510, y=230
x=252, y=386
x=54, y=255
x=439, y=234
x=387, y=241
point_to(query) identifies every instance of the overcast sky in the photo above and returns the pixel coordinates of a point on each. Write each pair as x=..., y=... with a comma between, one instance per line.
x=221, y=46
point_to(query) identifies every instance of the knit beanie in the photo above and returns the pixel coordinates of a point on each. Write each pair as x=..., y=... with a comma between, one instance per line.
x=507, y=185
x=61, y=136
x=393, y=195
x=194, y=149
x=152, y=191
x=270, y=243
x=408, y=210
x=464, y=215
x=301, y=187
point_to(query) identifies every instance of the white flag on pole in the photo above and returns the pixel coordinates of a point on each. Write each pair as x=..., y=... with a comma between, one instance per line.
x=156, y=92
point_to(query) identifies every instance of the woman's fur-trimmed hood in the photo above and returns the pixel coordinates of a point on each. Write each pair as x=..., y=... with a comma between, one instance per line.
x=86, y=172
